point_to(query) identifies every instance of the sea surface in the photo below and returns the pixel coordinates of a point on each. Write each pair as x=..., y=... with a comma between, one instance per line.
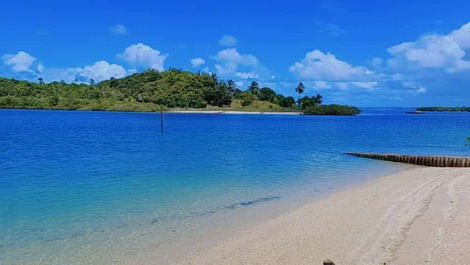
x=110, y=188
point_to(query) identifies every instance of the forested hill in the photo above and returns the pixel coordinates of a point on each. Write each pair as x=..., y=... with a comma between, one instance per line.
x=149, y=91
x=145, y=91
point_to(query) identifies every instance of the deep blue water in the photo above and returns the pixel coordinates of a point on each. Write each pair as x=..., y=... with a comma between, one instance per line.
x=66, y=176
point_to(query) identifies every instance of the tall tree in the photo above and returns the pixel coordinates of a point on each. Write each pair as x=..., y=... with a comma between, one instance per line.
x=288, y=102
x=267, y=94
x=214, y=77
x=254, y=88
x=231, y=85
x=92, y=82
x=300, y=89
x=41, y=80
x=233, y=89
x=318, y=99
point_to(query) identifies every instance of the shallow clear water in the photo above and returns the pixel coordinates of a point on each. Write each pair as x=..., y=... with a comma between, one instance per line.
x=79, y=187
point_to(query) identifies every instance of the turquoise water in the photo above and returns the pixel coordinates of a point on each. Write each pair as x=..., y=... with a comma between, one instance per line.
x=84, y=187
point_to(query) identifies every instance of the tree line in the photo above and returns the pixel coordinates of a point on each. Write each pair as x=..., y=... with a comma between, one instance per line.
x=148, y=91
x=443, y=109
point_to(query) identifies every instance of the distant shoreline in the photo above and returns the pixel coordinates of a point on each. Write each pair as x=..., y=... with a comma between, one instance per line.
x=222, y=112
x=444, y=109
x=328, y=111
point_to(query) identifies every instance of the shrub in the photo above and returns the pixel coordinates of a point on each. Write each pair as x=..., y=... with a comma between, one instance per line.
x=337, y=110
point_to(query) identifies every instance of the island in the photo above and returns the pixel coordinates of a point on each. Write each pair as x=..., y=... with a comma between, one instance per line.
x=445, y=109
x=173, y=90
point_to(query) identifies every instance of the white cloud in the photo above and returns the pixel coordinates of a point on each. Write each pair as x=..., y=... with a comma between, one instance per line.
x=118, y=29
x=321, y=85
x=230, y=60
x=40, y=68
x=226, y=69
x=228, y=40
x=447, y=52
x=421, y=90
x=233, y=56
x=101, y=70
x=143, y=56
x=367, y=85
x=462, y=36
x=20, y=62
x=246, y=75
x=195, y=62
x=317, y=65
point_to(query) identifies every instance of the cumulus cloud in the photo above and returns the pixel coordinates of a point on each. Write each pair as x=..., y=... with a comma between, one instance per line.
x=228, y=40
x=317, y=65
x=229, y=61
x=25, y=66
x=233, y=56
x=447, y=52
x=118, y=29
x=143, y=56
x=434, y=66
x=100, y=71
x=196, y=62
x=20, y=62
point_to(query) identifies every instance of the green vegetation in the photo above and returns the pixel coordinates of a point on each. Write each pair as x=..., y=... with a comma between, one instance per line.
x=459, y=109
x=153, y=90
x=300, y=89
x=339, y=110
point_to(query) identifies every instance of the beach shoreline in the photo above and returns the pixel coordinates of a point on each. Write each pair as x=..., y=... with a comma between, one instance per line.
x=415, y=216
x=233, y=112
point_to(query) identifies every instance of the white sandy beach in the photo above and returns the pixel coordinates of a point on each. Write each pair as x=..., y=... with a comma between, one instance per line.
x=418, y=216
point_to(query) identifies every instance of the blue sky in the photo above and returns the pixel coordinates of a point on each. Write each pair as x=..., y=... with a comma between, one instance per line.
x=368, y=53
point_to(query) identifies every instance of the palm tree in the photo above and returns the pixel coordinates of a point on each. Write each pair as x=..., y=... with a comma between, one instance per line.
x=215, y=78
x=231, y=85
x=300, y=89
x=254, y=88
x=318, y=99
